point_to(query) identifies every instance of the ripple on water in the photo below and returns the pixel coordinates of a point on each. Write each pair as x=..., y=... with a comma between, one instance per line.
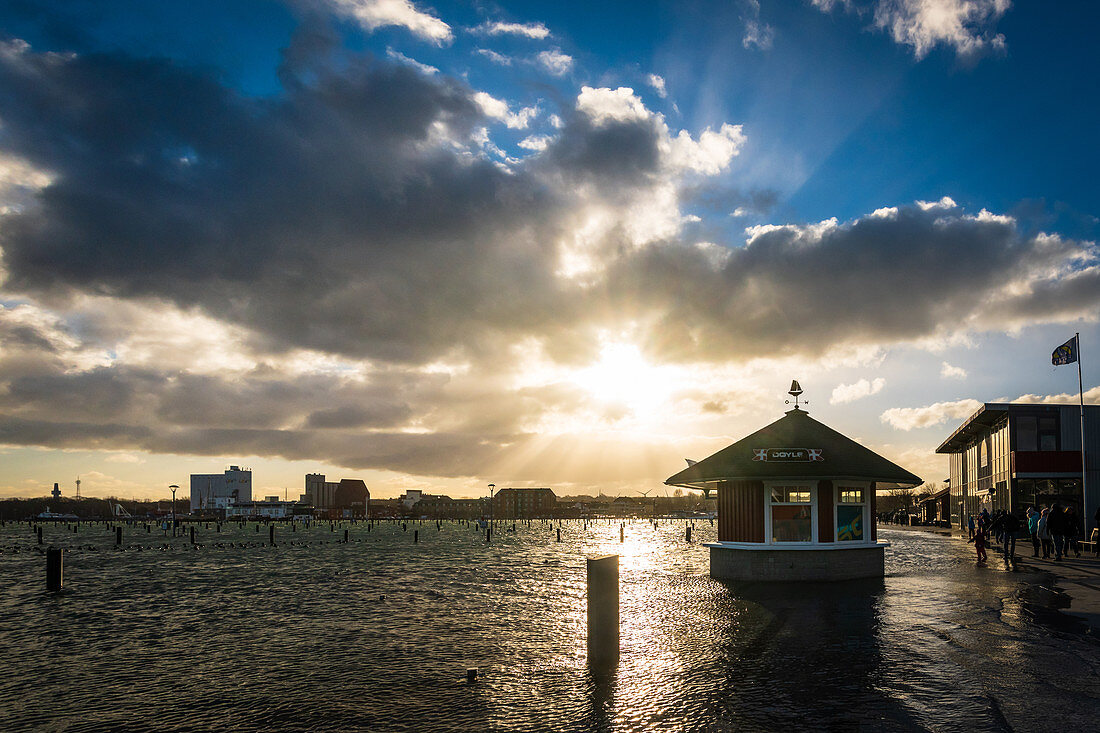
x=376, y=635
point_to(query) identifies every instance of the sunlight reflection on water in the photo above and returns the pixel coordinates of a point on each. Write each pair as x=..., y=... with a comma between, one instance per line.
x=376, y=635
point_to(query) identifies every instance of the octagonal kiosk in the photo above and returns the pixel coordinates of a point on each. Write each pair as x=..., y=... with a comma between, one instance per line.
x=796, y=502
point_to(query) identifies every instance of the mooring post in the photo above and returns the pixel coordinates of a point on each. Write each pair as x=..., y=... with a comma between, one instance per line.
x=54, y=564
x=603, y=610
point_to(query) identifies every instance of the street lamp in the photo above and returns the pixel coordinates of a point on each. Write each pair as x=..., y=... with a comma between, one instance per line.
x=174, y=488
x=492, y=488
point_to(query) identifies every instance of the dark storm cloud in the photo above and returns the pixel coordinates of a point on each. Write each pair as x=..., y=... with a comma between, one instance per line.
x=921, y=272
x=615, y=155
x=327, y=217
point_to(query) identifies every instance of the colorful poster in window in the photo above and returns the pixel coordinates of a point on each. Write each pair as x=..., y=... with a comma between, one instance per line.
x=791, y=524
x=849, y=522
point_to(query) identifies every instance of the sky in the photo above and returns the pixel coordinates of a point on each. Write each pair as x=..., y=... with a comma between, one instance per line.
x=437, y=246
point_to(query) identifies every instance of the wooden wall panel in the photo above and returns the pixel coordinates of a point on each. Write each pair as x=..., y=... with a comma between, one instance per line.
x=826, y=502
x=741, y=511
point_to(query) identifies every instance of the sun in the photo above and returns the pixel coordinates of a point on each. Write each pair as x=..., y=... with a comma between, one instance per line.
x=621, y=376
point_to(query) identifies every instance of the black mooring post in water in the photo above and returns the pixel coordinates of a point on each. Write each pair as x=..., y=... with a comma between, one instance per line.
x=54, y=568
x=118, y=536
x=271, y=535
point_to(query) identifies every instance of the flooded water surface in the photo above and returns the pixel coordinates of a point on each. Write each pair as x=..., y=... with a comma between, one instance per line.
x=376, y=635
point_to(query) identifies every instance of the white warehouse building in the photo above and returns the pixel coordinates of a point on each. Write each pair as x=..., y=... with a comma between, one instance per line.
x=216, y=491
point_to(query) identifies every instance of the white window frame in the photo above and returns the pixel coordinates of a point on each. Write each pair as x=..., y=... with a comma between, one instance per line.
x=810, y=486
x=864, y=486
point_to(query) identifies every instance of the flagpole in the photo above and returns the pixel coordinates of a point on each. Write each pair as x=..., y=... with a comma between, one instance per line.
x=1084, y=481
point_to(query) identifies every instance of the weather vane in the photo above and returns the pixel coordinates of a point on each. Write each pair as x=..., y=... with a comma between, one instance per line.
x=795, y=391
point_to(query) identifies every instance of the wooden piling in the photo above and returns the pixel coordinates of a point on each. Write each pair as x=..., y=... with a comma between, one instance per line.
x=603, y=610
x=54, y=568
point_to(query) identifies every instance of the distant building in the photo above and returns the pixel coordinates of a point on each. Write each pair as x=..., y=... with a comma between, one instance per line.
x=1011, y=455
x=444, y=507
x=524, y=503
x=214, y=492
x=271, y=507
x=352, y=498
x=321, y=493
x=348, y=497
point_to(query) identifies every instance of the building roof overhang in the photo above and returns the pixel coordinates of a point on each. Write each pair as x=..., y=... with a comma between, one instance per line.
x=984, y=418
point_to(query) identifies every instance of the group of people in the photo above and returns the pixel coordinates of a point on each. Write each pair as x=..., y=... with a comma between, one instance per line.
x=1054, y=529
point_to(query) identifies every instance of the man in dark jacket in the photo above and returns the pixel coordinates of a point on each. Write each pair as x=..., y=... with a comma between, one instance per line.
x=1007, y=525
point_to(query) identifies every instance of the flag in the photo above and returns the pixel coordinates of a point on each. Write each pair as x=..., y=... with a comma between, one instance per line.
x=1065, y=354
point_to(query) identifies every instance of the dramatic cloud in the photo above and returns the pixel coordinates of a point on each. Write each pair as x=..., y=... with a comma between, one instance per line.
x=965, y=25
x=352, y=269
x=851, y=392
x=909, y=418
x=373, y=14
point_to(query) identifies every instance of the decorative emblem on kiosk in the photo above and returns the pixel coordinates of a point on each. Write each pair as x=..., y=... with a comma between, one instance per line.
x=788, y=455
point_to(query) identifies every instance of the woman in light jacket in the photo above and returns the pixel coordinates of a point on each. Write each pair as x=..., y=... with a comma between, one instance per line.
x=1043, y=532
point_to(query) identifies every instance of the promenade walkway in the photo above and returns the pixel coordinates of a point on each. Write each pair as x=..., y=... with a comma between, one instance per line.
x=1078, y=578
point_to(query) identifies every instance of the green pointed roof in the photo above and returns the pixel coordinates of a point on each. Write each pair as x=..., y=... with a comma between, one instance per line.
x=794, y=447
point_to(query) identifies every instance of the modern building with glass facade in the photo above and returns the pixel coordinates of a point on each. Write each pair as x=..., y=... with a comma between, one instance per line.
x=1011, y=455
x=796, y=502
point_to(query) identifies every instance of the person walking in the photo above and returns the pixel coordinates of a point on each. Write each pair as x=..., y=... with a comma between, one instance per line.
x=1043, y=531
x=979, y=540
x=1033, y=530
x=1010, y=529
x=1073, y=531
x=1095, y=536
x=1056, y=527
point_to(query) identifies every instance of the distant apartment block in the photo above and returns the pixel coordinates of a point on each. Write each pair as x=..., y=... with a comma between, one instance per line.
x=524, y=503
x=212, y=492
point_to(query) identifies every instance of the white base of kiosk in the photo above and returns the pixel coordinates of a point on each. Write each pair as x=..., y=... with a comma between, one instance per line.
x=754, y=561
